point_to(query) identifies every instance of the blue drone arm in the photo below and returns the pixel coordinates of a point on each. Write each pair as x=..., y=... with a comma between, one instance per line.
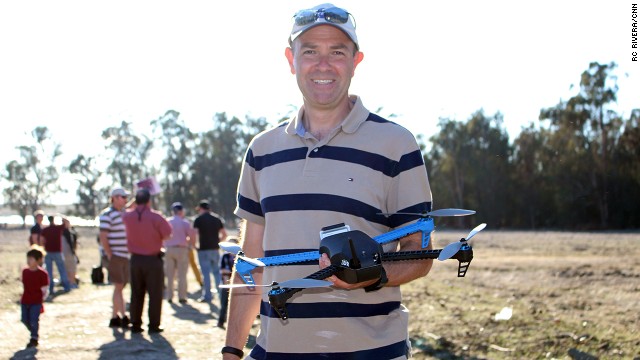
x=244, y=268
x=424, y=225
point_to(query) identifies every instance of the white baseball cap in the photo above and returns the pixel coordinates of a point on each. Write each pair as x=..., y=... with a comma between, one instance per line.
x=119, y=192
x=324, y=14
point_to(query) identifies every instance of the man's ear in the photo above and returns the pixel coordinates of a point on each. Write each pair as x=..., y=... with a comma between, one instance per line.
x=288, y=53
x=357, y=59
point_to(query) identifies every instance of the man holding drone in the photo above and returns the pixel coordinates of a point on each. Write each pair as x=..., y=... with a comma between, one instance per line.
x=335, y=162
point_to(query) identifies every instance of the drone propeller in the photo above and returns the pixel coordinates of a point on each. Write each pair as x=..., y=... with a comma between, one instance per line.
x=230, y=247
x=254, y=262
x=291, y=284
x=439, y=212
x=237, y=250
x=451, y=249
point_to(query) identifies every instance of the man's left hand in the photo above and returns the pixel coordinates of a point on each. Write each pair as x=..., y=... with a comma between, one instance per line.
x=325, y=262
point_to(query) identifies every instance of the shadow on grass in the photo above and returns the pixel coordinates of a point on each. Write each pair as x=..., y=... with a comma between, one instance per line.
x=188, y=312
x=138, y=346
x=24, y=354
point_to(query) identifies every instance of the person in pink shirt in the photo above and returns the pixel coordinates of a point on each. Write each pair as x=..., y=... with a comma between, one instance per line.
x=177, y=253
x=146, y=230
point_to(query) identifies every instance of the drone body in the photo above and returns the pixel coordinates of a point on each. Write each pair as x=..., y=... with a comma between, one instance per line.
x=358, y=256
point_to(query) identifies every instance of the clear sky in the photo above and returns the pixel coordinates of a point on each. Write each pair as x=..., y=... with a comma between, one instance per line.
x=81, y=66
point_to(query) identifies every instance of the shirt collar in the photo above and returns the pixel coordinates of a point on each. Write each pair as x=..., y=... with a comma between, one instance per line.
x=349, y=125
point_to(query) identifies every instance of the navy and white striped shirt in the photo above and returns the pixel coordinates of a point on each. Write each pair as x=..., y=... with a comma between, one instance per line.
x=111, y=221
x=295, y=185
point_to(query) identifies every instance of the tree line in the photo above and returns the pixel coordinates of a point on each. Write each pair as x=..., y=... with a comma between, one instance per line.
x=575, y=168
x=193, y=166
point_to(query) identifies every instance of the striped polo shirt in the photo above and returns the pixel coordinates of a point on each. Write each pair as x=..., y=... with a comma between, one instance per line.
x=111, y=221
x=295, y=185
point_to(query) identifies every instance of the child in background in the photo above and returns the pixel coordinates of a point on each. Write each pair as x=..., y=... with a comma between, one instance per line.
x=36, y=288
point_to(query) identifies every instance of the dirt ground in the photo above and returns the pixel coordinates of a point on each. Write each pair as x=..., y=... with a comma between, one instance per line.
x=571, y=295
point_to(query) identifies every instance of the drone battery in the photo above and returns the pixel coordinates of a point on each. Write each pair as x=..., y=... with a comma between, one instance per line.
x=358, y=256
x=333, y=229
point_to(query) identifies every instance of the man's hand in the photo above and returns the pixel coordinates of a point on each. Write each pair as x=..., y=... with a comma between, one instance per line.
x=325, y=262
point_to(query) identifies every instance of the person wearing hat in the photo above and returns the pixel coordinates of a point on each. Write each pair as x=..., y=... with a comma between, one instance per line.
x=113, y=239
x=36, y=229
x=146, y=231
x=210, y=230
x=335, y=162
x=177, y=253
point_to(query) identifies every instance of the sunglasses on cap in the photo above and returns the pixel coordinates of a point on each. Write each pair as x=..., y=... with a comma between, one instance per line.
x=332, y=15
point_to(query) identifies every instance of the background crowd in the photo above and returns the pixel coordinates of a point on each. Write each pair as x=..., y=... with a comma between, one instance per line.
x=138, y=246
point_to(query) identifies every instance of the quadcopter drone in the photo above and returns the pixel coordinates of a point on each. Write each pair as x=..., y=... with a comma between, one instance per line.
x=355, y=257
x=244, y=266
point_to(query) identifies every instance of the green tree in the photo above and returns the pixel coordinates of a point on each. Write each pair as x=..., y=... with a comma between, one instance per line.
x=218, y=157
x=91, y=198
x=585, y=129
x=129, y=154
x=33, y=178
x=531, y=189
x=468, y=166
x=625, y=212
x=176, y=174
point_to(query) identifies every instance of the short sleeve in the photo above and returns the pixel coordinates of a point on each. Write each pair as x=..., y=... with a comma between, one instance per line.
x=105, y=222
x=409, y=189
x=248, y=197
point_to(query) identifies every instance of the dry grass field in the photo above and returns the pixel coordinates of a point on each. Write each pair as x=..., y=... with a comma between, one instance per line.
x=572, y=296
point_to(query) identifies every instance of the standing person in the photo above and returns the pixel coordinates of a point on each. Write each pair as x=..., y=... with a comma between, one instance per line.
x=210, y=230
x=146, y=230
x=36, y=229
x=113, y=239
x=226, y=268
x=35, y=282
x=52, y=241
x=69, y=245
x=335, y=162
x=193, y=264
x=177, y=252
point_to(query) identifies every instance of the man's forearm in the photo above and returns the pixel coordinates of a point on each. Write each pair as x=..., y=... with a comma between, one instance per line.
x=402, y=272
x=244, y=305
x=104, y=241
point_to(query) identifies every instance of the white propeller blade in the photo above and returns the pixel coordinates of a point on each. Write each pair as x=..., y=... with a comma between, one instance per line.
x=293, y=284
x=451, y=212
x=254, y=262
x=230, y=247
x=304, y=283
x=439, y=212
x=451, y=249
x=476, y=230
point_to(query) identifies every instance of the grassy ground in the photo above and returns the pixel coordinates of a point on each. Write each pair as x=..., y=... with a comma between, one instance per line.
x=572, y=295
